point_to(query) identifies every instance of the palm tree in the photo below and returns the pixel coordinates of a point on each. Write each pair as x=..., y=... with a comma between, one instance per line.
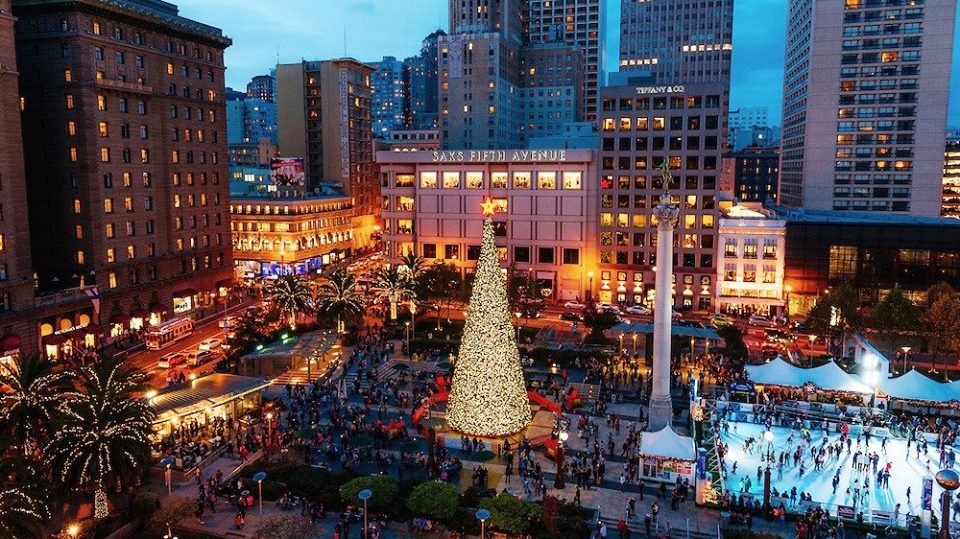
x=38, y=387
x=24, y=506
x=102, y=437
x=291, y=294
x=394, y=284
x=414, y=265
x=338, y=296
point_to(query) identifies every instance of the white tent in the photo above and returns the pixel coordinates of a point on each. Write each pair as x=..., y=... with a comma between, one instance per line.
x=916, y=386
x=828, y=376
x=665, y=443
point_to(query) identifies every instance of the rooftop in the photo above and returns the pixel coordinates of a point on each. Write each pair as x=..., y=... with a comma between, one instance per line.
x=210, y=390
x=803, y=215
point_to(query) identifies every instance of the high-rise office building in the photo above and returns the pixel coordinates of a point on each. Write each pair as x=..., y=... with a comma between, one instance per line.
x=951, y=178
x=504, y=17
x=16, y=282
x=641, y=128
x=390, y=82
x=577, y=22
x=677, y=41
x=251, y=119
x=262, y=87
x=755, y=171
x=422, y=88
x=746, y=122
x=865, y=105
x=324, y=110
x=552, y=84
x=127, y=168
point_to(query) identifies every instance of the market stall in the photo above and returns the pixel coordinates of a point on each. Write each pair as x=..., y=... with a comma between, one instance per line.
x=666, y=455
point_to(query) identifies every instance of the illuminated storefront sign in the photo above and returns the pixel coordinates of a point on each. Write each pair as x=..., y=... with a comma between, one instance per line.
x=644, y=90
x=498, y=156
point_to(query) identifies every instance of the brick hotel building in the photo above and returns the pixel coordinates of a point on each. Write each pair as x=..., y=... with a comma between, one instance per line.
x=431, y=206
x=126, y=161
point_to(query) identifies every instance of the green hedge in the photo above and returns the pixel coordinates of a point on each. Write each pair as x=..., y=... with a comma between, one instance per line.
x=438, y=501
x=511, y=514
x=384, y=490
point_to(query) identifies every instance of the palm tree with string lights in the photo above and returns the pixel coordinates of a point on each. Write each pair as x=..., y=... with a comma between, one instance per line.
x=24, y=501
x=394, y=284
x=339, y=297
x=38, y=385
x=102, y=433
x=414, y=264
x=292, y=295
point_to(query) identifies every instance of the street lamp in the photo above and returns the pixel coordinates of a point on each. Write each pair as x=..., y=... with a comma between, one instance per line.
x=408, y=336
x=269, y=421
x=634, y=344
x=518, y=326
x=905, y=350
x=259, y=477
x=365, y=495
x=413, y=319
x=768, y=436
x=949, y=480
x=73, y=530
x=621, y=343
x=786, y=316
x=482, y=516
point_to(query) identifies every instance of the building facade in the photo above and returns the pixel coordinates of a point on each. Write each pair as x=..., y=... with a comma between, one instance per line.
x=413, y=140
x=756, y=171
x=325, y=116
x=277, y=234
x=423, y=90
x=865, y=105
x=580, y=23
x=262, y=87
x=431, y=206
x=251, y=119
x=552, y=87
x=751, y=267
x=390, y=104
x=950, y=206
x=129, y=192
x=677, y=40
x=641, y=129
x=874, y=252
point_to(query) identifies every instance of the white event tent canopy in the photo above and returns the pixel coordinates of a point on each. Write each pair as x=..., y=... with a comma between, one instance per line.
x=915, y=386
x=665, y=443
x=828, y=377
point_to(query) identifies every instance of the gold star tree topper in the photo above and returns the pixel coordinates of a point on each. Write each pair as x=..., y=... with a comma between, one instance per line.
x=489, y=207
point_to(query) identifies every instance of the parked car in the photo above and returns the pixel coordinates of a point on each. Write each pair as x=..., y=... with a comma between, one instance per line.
x=719, y=320
x=639, y=309
x=574, y=305
x=210, y=344
x=571, y=316
x=762, y=321
x=200, y=357
x=608, y=308
x=228, y=322
x=171, y=360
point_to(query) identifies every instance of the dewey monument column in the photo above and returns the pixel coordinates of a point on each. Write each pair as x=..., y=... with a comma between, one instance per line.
x=661, y=405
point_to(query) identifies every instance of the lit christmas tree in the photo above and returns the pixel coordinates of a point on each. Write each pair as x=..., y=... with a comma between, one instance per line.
x=488, y=395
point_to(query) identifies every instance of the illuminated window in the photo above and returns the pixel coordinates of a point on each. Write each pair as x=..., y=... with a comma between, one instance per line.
x=474, y=180
x=108, y=205
x=451, y=180
x=101, y=102
x=521, y=180
x=105, y=155
x=498, y=180
x=104, y=129
x=80, y=258
x=76, y=205
x=77, y=232
x=71, y=128
x=572, y=180
x=69, y=101
x=131, y=252
x=67, y=75
x=108, y=230
x=546, y=180
x=428, y=180
x=112, y=280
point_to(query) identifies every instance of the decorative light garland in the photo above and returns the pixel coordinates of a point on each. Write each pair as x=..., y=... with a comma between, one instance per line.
x=488, y=396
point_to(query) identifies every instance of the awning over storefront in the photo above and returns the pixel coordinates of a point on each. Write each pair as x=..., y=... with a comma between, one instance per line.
x=54, y=340
x=157, y=307
x=119, y=318
x=185, y=293
x=828, y=376
x=9, y=343
x=140, y=313
x=92, y=329
x=203, y=393
x=665, y=443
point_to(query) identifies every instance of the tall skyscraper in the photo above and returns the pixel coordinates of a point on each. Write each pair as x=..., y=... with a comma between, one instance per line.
x=390, y=82
x=951, y=178
x=422, y=90
x=865, y=105
x=16, y=283
x=580, y=23
x=324, y=109
x=127, y=169
x=552, y=81
x=677, y=41
x=251, y=119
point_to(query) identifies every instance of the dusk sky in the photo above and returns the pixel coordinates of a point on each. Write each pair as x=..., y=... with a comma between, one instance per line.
x=315, y=29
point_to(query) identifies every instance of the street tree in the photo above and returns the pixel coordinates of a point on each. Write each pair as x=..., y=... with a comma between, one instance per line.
x=38, y=386
x=598, y=321
x=393, y=284
x=942, y=321
x=291, y=294
x=837, y=310
x=338, y=297
x=445, y=285
x=895, y=313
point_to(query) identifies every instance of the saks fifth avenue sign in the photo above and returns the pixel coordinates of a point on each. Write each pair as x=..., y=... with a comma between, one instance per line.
x=498, y=156
x=643, y=90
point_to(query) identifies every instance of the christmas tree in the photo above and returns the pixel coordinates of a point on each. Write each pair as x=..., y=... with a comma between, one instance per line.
x=488, y=396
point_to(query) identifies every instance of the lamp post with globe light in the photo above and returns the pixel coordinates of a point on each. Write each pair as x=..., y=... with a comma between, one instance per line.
x=558, y=483
x=949, y=480
x=768, y=436
x=482, y=516
x=365, y=495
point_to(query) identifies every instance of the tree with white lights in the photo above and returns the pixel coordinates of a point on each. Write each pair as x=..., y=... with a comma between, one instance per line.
x=488, y=395
x=102, y=434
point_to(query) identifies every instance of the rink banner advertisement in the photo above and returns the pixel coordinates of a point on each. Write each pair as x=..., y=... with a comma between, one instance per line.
x=882, y=518
x=926, y=499
x=286, y=171
x=845, y=512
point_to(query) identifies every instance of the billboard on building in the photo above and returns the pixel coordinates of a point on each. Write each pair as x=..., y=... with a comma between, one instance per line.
x=286, y=171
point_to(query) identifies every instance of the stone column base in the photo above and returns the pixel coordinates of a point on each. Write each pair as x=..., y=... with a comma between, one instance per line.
x=661, y=412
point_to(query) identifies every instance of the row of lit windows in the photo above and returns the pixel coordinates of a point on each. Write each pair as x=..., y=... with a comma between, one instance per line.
x=639, y=239
x=676, y=162
x=195, y=264
x=659, y=123
x=317, y=224
x=640, y=220
x=643, y=258
x=767, y=274
x=498, y=180
x=661, y=103
x=266, y=209
x=656, y=183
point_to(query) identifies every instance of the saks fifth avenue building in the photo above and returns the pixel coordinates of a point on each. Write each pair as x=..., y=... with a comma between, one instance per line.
x=546, y=222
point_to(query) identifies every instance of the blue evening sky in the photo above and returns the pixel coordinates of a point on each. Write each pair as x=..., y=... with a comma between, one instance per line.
x=293, y=30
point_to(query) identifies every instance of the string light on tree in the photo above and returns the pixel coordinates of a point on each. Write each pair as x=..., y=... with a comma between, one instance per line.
x=488, y=396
